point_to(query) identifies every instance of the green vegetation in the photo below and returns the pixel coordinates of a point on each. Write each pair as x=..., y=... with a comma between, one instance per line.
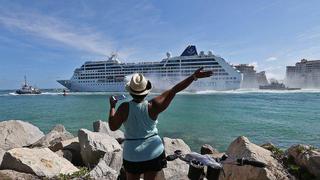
x=83, y=173
x=311, y=148
x=302, y=149
x=277, y=153
x=299, y=172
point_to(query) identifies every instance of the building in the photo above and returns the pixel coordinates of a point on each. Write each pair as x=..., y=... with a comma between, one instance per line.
x=262, y=78
x=305, y=74
x=250, y=78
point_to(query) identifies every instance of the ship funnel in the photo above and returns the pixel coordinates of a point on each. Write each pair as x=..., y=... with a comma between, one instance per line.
x=190, y=51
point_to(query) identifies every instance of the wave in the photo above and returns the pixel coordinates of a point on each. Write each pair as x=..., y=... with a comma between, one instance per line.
x=253, y=91
x=238, y=91
x=61, y=93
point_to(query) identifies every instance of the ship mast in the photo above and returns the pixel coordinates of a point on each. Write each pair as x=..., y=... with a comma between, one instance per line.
x=25, y=80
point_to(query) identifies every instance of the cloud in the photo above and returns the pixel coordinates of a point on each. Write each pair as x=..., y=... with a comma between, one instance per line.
x=255, y=64
x=55, y=29
x=309, y=34
x=272, y=58
x=275, y=72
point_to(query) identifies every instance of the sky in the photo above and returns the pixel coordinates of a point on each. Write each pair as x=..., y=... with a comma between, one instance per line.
x=46, y=40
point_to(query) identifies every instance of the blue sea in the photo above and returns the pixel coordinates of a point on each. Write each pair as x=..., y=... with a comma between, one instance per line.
x=216, y=118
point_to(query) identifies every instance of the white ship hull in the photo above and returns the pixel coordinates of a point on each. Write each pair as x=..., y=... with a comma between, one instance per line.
x=158, y=85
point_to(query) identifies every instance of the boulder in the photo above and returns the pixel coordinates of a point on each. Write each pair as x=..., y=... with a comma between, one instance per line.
x=207, y=149
x=1, y=154
x=17, y=133
x=243, y=148
x=176, y=169
x=103, y=127
x=65, y=154
x=307, y=157
x=66, y=144
x=94, y=145
x=69, y=146
x=14, y=175
x=39, y=161
x=269, y=146
x=56, y=135
x=107, y=173
x=109, y=165
x=113, y=160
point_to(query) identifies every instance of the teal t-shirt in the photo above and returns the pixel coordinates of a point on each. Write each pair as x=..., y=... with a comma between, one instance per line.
x=139, y=125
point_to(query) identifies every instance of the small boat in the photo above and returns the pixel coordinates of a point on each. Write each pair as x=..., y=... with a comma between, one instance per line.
x=277, y=86
x=26, y=89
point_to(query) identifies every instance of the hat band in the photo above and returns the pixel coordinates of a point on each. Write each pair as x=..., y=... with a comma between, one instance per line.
x=138, y=91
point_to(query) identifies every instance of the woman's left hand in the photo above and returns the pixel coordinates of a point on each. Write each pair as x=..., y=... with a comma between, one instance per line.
x=113, y=101
x=202, y=74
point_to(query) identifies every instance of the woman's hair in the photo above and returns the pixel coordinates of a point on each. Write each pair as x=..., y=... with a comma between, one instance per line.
x=138, y=97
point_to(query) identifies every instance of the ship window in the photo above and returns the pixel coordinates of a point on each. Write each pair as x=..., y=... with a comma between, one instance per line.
x=173, y=61
x=196, y=60
x=197, y=63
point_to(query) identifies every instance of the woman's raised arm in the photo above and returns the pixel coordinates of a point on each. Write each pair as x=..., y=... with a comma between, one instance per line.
x=161, y=102
x=116, y=118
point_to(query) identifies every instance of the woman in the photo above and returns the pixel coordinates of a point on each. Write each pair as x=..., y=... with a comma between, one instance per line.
x=143, y=151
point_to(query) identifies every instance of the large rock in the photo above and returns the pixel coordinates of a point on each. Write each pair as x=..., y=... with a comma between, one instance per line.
x=56, y=135
x=1, y=154
x=41, y=162
x=243, y=148
x=94, y=145
x=176, y=169
x=16, y=133
x=14, y=175
x=107, y=173
x=66, y=147
x=108, y=166
x=65, y=154
x=66, y=144
x=103, y=127
x=307, y=157
x=207, y=149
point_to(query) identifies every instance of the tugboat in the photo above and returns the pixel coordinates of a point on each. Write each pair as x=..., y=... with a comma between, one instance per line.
x=275, y=85
x=26, y=89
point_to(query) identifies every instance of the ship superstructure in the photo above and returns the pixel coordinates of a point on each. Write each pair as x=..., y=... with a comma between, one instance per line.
x=111, y=75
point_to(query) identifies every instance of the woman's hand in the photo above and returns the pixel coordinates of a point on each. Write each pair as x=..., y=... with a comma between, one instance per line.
x=113, y=102
x=201, y=74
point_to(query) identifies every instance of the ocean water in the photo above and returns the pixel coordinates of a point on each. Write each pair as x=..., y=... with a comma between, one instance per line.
x=216, y=118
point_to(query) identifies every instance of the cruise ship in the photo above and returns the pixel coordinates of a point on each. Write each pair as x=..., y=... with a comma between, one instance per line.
x=111, y=75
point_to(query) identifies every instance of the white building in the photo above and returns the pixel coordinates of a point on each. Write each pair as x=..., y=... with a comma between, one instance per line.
x=305, y=74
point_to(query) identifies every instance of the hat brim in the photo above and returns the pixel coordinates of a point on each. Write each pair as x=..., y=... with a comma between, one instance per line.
x=146, y=91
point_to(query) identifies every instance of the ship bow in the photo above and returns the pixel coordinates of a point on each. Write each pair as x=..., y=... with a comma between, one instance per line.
x=65, y=83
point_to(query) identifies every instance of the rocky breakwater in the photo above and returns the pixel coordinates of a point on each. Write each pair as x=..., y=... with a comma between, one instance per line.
x=25, y=154
x=98, y=155
x=243, y=148
x=17, y=133
x=304, y=161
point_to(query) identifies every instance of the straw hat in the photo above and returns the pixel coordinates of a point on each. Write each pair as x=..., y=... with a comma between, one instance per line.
x=138, y=85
